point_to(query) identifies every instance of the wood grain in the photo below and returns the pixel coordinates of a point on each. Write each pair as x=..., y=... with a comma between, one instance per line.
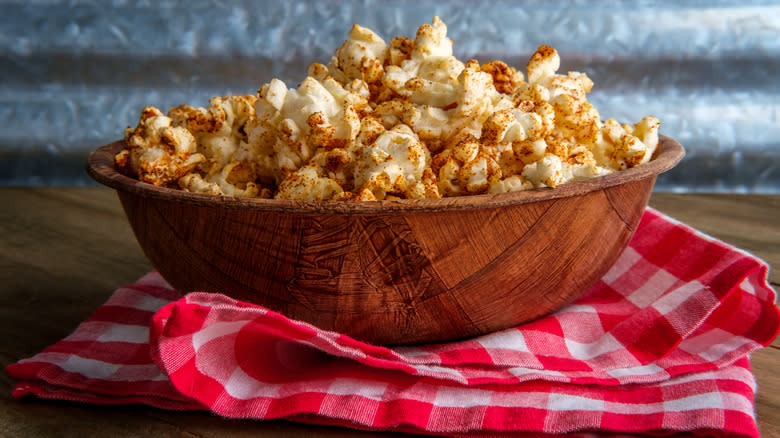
x=393, y=272
x=65, y=249
x=392, y=279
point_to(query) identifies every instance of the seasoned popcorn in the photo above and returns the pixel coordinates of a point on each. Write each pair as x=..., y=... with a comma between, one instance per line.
x=391, y=120
x=158, y=152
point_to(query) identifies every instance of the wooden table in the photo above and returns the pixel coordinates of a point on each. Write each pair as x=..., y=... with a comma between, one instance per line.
x=65, y=249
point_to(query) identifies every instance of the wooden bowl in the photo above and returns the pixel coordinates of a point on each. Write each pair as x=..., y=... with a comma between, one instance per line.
x=393, y=272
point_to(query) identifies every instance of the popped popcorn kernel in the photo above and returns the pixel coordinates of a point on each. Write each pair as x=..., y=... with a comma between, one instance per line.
x=505, y=78
x=308, y=184
x=158, y=152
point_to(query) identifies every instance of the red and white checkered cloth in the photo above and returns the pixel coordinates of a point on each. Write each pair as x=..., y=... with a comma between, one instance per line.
x=659, y=345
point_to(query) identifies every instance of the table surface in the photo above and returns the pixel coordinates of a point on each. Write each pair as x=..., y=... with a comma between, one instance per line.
x=64, y=250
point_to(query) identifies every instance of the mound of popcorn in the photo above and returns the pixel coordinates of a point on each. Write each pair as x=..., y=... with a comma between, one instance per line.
x=382, y=121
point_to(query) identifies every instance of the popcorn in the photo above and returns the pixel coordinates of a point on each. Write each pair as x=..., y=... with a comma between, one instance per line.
x=393, y=164
x=291, y=124
x=514, y=183
x=467, y=168
x=391, y=120
x=505, y=78
x=219, y=131
x=620, y=146
x=308, y=184
x=360, y=58
x=235, y=179
x=548, y=171
x=430, y=75
x=158, y=152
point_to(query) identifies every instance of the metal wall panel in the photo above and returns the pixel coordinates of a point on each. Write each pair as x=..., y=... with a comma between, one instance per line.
x=73, y=74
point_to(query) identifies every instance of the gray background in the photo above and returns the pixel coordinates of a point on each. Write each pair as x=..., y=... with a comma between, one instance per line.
x=74, y=74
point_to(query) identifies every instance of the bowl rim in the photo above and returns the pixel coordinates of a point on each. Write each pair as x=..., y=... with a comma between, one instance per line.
x=101, y=167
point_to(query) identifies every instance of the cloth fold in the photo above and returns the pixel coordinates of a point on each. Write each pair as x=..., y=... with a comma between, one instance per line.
x=659, y=345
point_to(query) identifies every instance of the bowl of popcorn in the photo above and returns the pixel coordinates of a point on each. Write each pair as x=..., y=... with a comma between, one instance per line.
x=397, y=195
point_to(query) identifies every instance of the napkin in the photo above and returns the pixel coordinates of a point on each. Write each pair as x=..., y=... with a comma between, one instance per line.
x=659, y=345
